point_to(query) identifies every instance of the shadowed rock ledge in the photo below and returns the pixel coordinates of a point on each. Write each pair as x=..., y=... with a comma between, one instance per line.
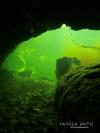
x=77, y=98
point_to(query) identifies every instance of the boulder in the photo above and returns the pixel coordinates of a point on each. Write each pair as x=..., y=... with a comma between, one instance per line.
x=63, y=65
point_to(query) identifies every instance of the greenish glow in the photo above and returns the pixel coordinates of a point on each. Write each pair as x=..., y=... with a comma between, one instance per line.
x=39, y=54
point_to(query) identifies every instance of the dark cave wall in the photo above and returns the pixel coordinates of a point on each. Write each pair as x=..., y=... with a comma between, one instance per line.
x=22, y=20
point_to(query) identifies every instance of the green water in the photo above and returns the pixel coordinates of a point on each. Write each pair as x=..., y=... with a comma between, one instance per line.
x=39, y=54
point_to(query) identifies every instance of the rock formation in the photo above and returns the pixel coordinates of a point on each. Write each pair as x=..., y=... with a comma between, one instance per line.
x=77, y=97
x=63, y=65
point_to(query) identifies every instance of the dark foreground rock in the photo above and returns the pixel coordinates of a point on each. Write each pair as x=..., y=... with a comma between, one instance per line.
x=77, y=100
x=26, y=104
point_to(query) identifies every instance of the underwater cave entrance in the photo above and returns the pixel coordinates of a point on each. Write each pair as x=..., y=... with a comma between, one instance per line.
x=36, y=57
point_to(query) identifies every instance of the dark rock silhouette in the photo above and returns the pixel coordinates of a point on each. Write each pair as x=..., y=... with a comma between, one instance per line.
x=77, y=98
x=64, y=64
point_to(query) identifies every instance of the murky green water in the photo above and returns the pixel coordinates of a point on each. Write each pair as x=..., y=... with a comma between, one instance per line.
x=38, y=55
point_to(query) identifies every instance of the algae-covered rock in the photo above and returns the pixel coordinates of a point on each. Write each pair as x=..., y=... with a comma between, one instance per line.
x=26, y=104
x=77, y=98
x=63, y=65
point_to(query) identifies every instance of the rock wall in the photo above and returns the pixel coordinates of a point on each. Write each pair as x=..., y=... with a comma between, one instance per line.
x=77, y=97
